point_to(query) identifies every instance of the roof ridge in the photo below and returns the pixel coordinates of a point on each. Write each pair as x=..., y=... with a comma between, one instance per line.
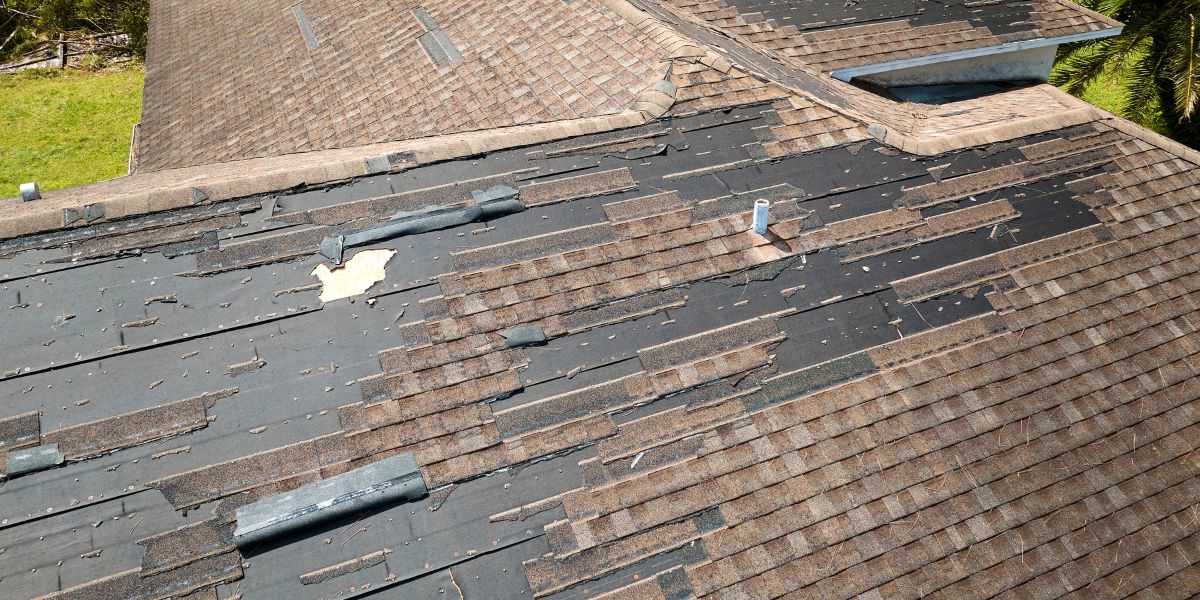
x=1103, y=18
x=931, y=144
x=177, y=188
x=1130, y=128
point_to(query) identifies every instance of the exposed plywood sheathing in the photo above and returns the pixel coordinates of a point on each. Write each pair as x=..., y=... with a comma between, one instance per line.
x=355, y=277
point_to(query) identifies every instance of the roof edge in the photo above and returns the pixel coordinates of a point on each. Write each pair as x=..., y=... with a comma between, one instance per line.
x=157, y=191
x=1099, y=16
x=932, y=145
x=849, y=73
x=1126, y=126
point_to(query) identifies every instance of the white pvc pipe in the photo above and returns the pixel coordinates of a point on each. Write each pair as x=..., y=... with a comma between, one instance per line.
x=762, y=216
x=30, y=191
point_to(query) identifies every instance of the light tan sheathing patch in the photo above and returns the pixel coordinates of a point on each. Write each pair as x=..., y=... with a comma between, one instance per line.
x=358, y=274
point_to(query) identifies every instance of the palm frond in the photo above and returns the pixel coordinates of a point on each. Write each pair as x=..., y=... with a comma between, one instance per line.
x=1185, y=68
x=1083, y=65
x=1078, y=65
x=1142, y=92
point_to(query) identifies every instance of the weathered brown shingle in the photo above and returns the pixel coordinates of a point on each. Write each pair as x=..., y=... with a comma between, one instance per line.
x=962, y=361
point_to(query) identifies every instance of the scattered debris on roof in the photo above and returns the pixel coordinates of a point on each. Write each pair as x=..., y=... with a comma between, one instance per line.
x=960, y=359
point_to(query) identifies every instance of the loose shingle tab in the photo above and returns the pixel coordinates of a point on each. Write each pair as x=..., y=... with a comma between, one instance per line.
x=20, y=430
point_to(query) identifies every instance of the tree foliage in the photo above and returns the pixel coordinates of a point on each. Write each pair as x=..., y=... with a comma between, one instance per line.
x=1157, y=59
x=26, y=25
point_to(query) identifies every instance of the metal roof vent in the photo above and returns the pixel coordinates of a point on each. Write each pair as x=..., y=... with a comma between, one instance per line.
x=393, y=479
x=435, y=41
x=30, y=191
x=306, y=26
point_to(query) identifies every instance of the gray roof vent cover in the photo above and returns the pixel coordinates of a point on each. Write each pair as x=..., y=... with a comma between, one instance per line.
x=435, y=41
x=393, y=479
x=306, y=26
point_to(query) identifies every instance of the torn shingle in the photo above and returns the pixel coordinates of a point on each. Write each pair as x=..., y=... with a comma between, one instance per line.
x=272, y=248
x=245, y=367
x=131, y=429
x=576, y=187
x=523, y=336
x=173, y=549
x=343, y=568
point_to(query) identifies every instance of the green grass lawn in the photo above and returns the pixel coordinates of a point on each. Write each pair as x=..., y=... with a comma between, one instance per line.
x=1106, y=92
x=64, y=128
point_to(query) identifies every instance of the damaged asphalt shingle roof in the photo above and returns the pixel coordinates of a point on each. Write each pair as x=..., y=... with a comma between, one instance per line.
x=369, y=77
x=968, y=372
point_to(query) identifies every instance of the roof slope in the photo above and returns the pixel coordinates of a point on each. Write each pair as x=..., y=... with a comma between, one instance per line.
x=832, y=35
x=971, y=373
x=259, y=89
x=933, y=373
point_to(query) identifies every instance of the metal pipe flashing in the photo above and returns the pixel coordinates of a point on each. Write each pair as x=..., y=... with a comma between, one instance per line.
x=391, y=480
x=762, y=215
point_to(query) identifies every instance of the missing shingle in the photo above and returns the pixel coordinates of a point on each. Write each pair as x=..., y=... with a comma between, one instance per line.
x=435, y=41
x=675, y=585
x=306, y=26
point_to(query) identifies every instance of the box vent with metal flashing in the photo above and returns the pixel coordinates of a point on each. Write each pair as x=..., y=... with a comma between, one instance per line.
x=394, y=479
x=435, y=41
x=306, y=26
x=1024, y=60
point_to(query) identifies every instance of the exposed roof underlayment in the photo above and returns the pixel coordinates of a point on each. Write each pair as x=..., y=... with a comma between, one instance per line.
x=558, y=362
